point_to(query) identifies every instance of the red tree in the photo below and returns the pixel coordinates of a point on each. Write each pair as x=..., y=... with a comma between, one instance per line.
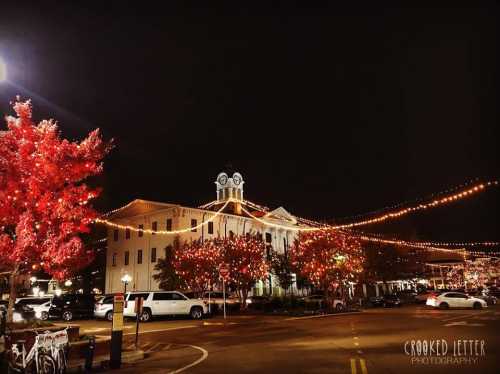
x=197, y=263
x=43, y=202
x=245, y=257
x=328, y=259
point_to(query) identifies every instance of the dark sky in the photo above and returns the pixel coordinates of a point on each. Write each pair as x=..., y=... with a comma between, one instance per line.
x=329, y=111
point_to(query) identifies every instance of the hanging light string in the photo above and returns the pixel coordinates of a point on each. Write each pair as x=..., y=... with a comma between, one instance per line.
x=163, y=232
x=432, y=196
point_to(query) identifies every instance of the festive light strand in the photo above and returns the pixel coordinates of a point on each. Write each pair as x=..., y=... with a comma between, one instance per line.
x=163, y=232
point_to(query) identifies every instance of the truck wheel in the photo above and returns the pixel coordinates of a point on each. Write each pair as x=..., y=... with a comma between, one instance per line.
x=339, y=307
x=109, y=315
x=44, y=316
x=67, y=315
x=146, y=315
x=196, y=312
x=477, y=305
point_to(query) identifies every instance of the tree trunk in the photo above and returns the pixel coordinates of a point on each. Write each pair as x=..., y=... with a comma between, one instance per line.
x=244, y=295
x=12, y=294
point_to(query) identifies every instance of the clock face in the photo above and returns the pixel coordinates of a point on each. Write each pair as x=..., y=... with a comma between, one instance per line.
x=236, y=179
x=223, y=179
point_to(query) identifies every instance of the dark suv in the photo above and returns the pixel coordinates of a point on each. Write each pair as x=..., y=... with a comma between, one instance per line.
x=69, y=306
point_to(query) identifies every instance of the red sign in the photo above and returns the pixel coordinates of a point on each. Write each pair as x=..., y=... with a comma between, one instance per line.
x=223, y=270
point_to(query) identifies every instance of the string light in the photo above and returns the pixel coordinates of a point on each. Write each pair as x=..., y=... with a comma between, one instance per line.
x=162, y=232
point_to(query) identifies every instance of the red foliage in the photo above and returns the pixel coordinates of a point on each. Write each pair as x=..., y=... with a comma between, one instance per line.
x=328, y=258
x=198, y=263
x=43, y=202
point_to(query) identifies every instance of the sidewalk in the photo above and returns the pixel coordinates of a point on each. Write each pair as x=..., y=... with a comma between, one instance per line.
x=101, y=362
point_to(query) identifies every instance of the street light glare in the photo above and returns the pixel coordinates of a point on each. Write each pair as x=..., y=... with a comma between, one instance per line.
x=3, y=70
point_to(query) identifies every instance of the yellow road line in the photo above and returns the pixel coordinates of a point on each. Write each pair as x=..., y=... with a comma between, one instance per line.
x=353, y=366
x=364, y=370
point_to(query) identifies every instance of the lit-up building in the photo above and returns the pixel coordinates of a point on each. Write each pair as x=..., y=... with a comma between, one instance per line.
x=153, y=226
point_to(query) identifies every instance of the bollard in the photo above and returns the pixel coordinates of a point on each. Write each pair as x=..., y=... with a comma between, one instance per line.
x=89, y=356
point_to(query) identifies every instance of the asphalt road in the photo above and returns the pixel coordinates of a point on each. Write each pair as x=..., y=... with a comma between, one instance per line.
x=373, y=341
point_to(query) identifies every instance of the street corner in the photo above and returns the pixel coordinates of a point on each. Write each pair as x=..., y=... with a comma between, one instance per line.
x=167, y=358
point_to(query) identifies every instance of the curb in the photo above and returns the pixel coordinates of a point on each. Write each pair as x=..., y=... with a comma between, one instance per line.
x=128, y=357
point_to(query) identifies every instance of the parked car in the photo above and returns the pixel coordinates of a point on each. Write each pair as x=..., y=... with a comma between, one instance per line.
x=391, y=300
x=423, y=296
x=318, y=300
x=257, y=302
x=490, y=299
x=69, y=306
x=407, y=296
x=163, y=303
x=455, y=300
x=103, y=308
x=21, y=312
x=216, y=300
x=33, y=301
x=42, y=310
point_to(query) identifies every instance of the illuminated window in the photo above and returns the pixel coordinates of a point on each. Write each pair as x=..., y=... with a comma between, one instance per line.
x=153, y=254
x=113, y=260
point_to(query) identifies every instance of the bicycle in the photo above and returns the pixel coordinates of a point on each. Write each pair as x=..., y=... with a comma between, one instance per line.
x=36, y=361
x=59, y=349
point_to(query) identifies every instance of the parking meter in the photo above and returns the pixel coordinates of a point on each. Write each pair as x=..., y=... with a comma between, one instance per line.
x=115, y=359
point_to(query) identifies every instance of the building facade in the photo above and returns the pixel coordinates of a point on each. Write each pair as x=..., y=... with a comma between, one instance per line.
x=139, y=233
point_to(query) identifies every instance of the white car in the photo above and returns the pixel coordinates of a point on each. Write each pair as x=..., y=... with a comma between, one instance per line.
x=104, y=308
x=164, y=303
x=455, y=300
x=42, y=310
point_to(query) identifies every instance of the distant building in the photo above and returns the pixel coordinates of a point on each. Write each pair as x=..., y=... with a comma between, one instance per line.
x=135, y=252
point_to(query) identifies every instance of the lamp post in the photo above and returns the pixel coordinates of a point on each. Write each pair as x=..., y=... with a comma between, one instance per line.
x=126, y=280
x=3, y=70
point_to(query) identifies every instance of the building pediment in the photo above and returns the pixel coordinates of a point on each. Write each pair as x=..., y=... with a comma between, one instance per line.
x=138, y=207
x=281, y=214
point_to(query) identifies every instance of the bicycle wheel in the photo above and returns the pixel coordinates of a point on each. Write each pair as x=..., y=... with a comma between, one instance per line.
x=46, y=364
x=61, y=362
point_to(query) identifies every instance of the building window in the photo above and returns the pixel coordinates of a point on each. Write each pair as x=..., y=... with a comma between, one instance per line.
x=285, y=248
x=269, y=237
x=141, y=233
x=139, y=256
x=113, y=260
x=231, y=234
x=154, y=227
x=210, y=227
x=127, y=233
x=115, y=235
x=269, y=250
x=127, y=257
x=194, y=223
x=169, y=224
x=153, y=254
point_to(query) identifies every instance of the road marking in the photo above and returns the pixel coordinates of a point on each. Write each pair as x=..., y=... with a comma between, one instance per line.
x=463, y=323
x=153, y=348
x=321, y=316
x=353, y=366
x=202, y=358
x=364, y=370
x=161, y=330
x=459, y=317
x=356, y=344
x=355, y=337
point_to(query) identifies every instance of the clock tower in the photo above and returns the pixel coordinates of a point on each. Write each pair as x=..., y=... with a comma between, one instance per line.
x=229, y=187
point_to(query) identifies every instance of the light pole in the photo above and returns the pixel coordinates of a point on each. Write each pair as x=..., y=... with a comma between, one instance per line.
x=126, y=279
x=3, y=70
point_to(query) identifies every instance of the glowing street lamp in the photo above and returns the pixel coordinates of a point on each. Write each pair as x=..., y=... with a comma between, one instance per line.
x=68, y=283
x=33, y=279
x=3, y=70
x=126, y=280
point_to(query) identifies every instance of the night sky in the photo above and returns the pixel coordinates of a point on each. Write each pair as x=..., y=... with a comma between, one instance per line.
x=328, y=111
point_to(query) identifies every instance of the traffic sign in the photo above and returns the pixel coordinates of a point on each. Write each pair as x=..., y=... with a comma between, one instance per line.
x=223, y=270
